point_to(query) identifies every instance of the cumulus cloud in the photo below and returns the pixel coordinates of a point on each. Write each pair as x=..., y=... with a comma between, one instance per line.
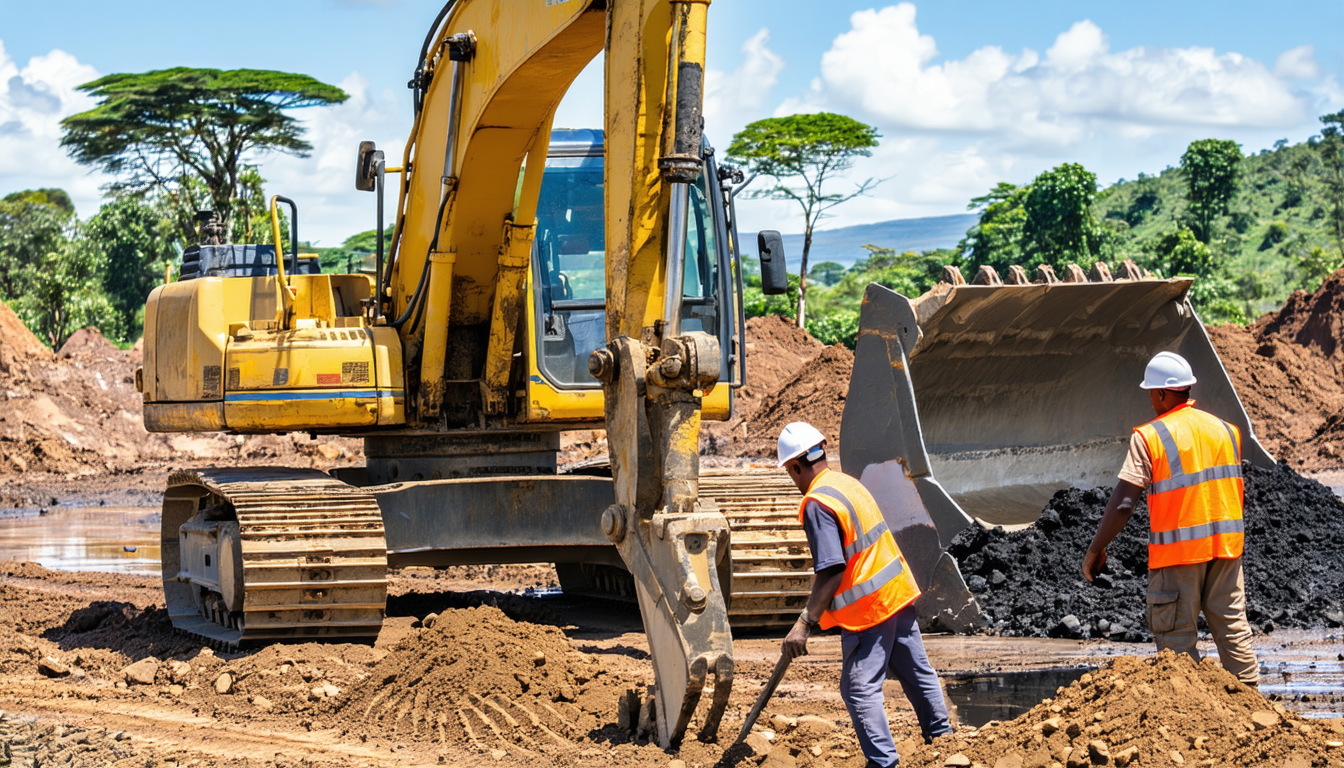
x=884, y=68
x=1298, y=63
x=33, y=100
x=732, y=99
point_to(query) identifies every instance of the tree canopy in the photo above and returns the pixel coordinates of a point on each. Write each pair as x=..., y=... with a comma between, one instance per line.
x=802, y=153
x=185, y=131
x=1210, y=167
x=1060, y=224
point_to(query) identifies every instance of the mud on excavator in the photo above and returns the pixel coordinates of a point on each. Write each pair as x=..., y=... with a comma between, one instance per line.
x=540, y=281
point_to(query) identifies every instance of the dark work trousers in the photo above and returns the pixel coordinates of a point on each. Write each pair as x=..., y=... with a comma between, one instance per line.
x=893, y=648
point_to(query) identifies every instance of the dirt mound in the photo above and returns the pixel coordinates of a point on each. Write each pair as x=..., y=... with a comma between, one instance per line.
x=1288, y=390
x=475, y=674
x=815, y=395
x=1030, y=582
x=90, y=343
x=1163, y=710
x=16, y=341
x=1311, y=320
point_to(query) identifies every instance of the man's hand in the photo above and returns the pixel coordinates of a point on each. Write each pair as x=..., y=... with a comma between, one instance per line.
x=795, y=643
x=1093, y=562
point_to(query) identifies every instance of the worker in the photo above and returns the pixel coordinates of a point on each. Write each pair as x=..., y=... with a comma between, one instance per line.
x=861, y=583
x=1190, y=463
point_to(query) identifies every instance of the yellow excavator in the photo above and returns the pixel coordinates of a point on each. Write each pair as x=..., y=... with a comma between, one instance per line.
x=542, y=280
x=537, y=281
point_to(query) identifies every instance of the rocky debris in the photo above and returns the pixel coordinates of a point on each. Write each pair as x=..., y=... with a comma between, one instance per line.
x=52, y=667
x=224, y=684
x=1030, y=582
x=1157, y=710
x=24, y=741
x=141, y=672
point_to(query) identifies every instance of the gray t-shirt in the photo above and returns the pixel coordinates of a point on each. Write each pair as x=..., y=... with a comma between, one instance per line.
x=823, y=536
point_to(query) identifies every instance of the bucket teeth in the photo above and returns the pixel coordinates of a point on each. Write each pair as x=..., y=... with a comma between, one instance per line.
x=1100, y=273
x=1074, y=274
x=986, y=276
x=1045, y=274
x=1129, y=271
x=1017, y=276
x=952, y=275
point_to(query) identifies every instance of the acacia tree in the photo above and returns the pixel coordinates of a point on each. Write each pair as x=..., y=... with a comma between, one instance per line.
x=1210, y=167
x=184, y=132
x=812, y=149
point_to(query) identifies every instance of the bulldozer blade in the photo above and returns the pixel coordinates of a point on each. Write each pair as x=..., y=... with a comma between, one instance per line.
x=981, y=401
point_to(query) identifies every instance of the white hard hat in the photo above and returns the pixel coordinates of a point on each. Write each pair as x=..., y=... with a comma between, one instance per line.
x=1167, y=370
x=798, y=438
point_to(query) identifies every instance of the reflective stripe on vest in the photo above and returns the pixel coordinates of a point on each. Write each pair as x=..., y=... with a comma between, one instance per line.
x=1195, y=511
x=876, y=582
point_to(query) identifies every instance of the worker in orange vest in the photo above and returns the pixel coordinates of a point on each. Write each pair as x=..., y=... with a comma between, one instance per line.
x=862, y=585
x=1190, y=463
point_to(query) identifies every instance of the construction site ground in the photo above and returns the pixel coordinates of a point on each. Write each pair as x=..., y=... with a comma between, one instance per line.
x=511, y=672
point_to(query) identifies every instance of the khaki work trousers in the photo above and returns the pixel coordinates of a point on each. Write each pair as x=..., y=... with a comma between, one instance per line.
x=1177, y=593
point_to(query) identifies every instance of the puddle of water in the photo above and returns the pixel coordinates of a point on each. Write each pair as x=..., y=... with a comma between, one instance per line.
x=1312, y=687
x=109, y=539
x=979, y=698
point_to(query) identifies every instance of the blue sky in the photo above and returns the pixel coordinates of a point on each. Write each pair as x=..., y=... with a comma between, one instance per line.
x=965, y=93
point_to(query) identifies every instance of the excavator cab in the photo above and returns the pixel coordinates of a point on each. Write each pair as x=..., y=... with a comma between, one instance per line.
x=567, y=282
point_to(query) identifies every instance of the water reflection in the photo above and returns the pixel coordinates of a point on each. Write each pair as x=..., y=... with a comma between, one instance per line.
x=110, y=539
x=979, y=698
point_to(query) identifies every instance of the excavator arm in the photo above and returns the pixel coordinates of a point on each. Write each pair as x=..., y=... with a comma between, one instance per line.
x=487, y=90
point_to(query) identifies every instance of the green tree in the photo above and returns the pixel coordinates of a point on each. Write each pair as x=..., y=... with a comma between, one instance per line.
x=827, y=273
x=996, y=239
x=1331, y=148
x=136, y=239
x=185, y=131
x=1060, y=225
x=63, y=293
x=1180, y=253
x=1210, y=168
x=812, y=149
x=33, y=224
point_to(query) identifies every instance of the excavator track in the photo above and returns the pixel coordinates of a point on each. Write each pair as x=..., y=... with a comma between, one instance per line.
x=301, y=556
x=772, y=565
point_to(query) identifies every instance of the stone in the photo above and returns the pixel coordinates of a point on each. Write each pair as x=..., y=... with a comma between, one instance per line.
x=429, y=621
x=498, y=754
x=119, y=685
x=317, y=693
x=539, y=659
x=175, y=690
x=1074, y=730
x=1334, y=744
x=957, y=761
x=179, y=671
x=816, y=750
x=1078, y=758
x=1264, y=719
x=1069, y=626
x=1296, y=761
x=52, y=667
x=1177, y=758
x=262, y=703
x=331, y=691
x=1012, y=760
x=1047, y=727
x=224, y=684
x=782, y=724
x=1099, y=752
x=141, y=672
x=757, y=742
x=815, y=727
x=1125, y=756
x=779, y=758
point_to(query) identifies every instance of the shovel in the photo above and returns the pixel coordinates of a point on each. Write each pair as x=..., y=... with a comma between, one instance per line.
x=781, y=667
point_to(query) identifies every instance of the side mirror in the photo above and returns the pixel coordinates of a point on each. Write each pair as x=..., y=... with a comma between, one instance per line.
x=774, y=274
x=368, y=153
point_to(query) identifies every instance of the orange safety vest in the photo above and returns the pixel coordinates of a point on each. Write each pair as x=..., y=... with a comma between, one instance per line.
x=1195, y=497
x=877, y=582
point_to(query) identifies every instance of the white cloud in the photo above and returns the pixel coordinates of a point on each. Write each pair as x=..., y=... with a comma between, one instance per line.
x=734, y=99
x=33, y=100
x=952, y=128
x=1299, y=63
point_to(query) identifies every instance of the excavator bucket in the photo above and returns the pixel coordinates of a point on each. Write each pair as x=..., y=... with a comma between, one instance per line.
x=980, y=401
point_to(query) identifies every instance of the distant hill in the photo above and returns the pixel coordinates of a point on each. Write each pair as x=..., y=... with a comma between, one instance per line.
x=845, y=244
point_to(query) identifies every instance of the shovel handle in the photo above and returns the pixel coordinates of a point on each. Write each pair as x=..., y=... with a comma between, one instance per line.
x=781, y=667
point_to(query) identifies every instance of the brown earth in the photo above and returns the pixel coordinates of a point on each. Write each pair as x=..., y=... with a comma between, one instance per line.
x=1162, y=710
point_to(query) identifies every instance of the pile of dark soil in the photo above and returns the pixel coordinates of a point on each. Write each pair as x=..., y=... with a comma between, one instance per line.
x=1162, y=710
x=1030, y=582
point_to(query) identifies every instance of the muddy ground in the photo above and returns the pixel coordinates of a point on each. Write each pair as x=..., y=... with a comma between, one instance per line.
x=94, y=673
